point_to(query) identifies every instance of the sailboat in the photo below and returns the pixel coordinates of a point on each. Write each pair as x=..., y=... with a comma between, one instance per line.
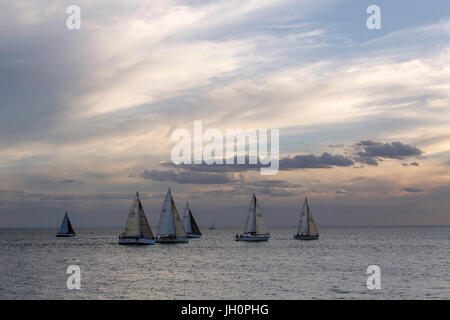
x=66, y=229
x=189, y=224
x=137, y=230
x=255, y=229
x=170, y=228
x=307, y=229
x=213, y=225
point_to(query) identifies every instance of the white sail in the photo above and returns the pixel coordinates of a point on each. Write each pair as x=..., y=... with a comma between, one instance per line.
x=137, y=224
x=255, y=222
x=250, y=224
x=166, y=222
x=187, y=219
x=179, y=229
x=303, y=226
x=146, y=231
x=311, y=225
x=66, y=226
x=169, y=220
x=260, y=225
x=133, y=229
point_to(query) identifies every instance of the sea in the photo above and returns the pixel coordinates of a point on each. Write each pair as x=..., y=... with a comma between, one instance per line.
x=414, y=263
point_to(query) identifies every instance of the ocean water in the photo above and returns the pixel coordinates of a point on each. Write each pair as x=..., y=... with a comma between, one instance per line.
x=414, y=264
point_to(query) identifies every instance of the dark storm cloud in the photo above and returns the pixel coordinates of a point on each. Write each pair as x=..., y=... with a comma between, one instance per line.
x=371, y=152
x=412, y=190
x=186, y=177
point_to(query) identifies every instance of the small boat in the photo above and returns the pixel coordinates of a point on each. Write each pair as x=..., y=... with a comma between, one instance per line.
x=170, y=228
x=213, y=226
x=137, y=231
x=189, y=223
x=66, y=229
x=255, y=229
x=307, y=229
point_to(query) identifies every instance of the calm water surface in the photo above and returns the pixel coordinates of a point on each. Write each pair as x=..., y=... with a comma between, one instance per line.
x=414, y=264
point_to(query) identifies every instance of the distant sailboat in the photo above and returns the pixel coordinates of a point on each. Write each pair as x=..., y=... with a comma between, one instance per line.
x=190, y=226
x=307, y=229
x=213, y=226
x=66, y=229
x=255, y=229
x=170, y=228
x=137, y=230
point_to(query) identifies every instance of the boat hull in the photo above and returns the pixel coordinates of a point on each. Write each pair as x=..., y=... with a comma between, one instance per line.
x=298, y=237
x=140, y=241
x=253, y=238
x=194, y=235
x=65, y=235
x=176, y=240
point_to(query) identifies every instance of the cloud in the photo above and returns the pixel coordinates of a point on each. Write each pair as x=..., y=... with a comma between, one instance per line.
x=22, y=195
x=371, y=152
x=272, y=188
x=413, y=164
x=68, y=181
x=186, y=177
x=412, y=190
x=326, y=160
x=364, y=152
x=310, y=161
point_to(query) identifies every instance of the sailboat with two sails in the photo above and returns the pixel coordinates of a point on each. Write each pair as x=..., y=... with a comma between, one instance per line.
x=66, y=229
x=170, y=228
x=190, y=226
x=307, y=229
x=137, y=230
x=255, y=229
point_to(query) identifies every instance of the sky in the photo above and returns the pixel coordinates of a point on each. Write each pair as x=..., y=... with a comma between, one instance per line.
x=86, y=116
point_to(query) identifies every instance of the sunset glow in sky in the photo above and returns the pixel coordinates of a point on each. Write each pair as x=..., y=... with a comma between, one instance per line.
x=86, y=115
